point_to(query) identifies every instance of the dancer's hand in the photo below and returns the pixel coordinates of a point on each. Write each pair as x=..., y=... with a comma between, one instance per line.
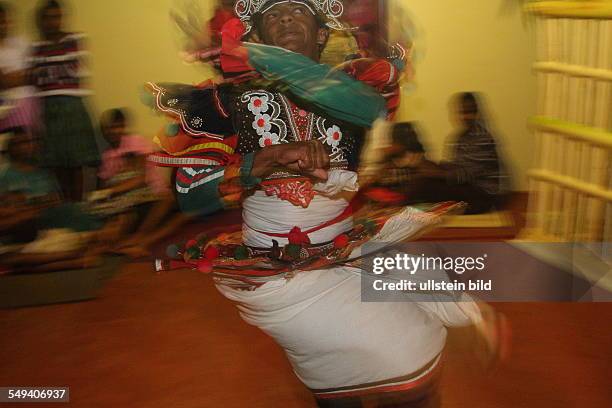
x=308, y=158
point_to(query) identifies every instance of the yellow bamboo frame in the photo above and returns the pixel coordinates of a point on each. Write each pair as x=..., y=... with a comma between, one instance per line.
x=574, y=70
x=571, y=9
x=589, y=189
x=595, y=136
x=571, y=193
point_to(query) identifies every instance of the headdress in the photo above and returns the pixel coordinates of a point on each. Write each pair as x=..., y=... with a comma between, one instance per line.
x=330, y=10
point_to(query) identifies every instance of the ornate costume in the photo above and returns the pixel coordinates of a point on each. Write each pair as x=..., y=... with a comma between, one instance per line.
x=293, y=224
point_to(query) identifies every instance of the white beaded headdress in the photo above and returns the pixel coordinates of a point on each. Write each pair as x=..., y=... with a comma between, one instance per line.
x=331, y=10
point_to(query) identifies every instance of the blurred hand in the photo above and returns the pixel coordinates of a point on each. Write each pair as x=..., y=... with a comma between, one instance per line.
x=307, y=158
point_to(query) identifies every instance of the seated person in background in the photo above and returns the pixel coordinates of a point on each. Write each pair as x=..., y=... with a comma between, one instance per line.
x=133, y=186
x=474, y=174
x=25, y=189
x=42, y=232
x=404, y=156
x=394, y=183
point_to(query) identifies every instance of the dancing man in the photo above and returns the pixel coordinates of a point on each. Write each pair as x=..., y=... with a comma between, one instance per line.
x=280, y=136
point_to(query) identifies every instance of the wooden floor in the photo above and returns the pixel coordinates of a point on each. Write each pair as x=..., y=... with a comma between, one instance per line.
x=172, y=341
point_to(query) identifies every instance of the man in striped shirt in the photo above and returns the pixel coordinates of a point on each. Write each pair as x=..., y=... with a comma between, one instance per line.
x=474, y=174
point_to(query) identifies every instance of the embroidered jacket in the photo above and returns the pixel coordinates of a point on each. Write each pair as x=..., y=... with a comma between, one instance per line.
x=216, y=130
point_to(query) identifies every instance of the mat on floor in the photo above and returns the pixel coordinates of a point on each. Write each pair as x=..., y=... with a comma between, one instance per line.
x=20, y=290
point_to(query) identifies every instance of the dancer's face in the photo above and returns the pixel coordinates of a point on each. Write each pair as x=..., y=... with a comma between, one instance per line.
x=293, y=26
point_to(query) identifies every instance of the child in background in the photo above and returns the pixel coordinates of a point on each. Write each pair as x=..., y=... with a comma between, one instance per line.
x=126, y=190
x=134, y=185
x=128, y=178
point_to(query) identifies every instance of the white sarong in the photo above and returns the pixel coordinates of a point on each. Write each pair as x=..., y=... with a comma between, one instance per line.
x=331, y=337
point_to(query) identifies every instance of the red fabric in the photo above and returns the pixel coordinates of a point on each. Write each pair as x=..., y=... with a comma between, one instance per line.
x=341, y=241
x=211, y=253
x=381, y=75
x=296, y=236
x=384, y=195
x=234, y=57
x=377, y=73
x=409, y=385
x=215, y=25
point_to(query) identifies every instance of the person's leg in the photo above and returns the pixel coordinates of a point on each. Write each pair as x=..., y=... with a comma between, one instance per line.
x=436, y=190
x=455, y=309
x=478, y=201
x=159, y=210
x=423, y=190
x=113, y=231
x=141, y=248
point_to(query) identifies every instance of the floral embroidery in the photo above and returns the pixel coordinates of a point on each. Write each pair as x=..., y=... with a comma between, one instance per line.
x=172, y=102
x=334, y=136
x=300, y=121
x=262, y=124
x=258, y=104
x=269, y=139
x=266, y=112
x=197, y=122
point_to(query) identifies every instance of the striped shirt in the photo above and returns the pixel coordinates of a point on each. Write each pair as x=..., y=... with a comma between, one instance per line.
x=475, y=161
x=58, y=66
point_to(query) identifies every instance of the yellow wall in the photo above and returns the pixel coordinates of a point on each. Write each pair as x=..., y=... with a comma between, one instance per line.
x=476, y=45
x=131, y=42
